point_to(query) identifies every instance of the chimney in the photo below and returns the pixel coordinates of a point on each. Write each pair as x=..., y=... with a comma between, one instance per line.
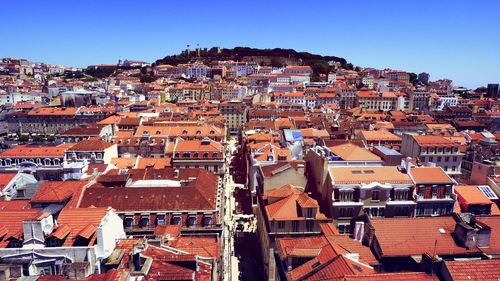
x=408, y=164
x=359, y=230
x=136, y=255
x=34, y=231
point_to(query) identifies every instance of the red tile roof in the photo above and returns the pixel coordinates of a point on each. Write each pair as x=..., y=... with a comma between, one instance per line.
x=484, y=270
x=402, y=236
x=15, y=205
x=5, y=179
x=78, y=221
x=396, y=276
x=430, y=175
x=12, y=223
x=91, y=145
x=289, y=198
x=36, y=151
x=60, y=192
x=198, y=194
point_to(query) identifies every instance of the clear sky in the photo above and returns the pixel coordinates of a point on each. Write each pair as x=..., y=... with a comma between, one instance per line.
x=456, y=39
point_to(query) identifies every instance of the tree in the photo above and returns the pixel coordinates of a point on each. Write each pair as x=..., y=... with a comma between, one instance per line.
x=413, y=77
x=148, y=78
x=276, y=62
x=349, y=66
x=315, y=77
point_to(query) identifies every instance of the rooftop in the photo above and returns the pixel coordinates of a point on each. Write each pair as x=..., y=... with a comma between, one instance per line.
x=430, y=175
x=366, y=175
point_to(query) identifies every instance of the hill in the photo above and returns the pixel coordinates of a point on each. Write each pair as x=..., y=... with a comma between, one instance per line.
x=272, y=57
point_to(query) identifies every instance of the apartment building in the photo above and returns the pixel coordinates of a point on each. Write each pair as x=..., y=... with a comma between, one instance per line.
x=434, y=150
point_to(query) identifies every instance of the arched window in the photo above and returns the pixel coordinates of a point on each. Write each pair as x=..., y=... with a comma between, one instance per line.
x=158, y=132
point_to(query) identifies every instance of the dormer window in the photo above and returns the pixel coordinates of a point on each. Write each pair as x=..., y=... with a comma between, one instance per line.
x=198, y=132
x=158, y=132
x=205, y=154
x=176, y=220
x=184, y=132
x=176, y=155
x=191, y=220
x=195, y=155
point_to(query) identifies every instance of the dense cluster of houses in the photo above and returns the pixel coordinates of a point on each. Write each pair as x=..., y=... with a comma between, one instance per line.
x=366, y=174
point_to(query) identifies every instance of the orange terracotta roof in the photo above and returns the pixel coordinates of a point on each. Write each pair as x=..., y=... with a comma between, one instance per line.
x=5, y=179
x=78, y=220
x=15, y=205
x=286, y=207
x=59, y=192
x=91, y=145
x=484, y=270
x=351, y=152
x=434, y=141
x=61, y=232
x=471, y=194
x=36, y=151
x=12, y=223
x=395, y=276
x=430, y=175
x=379, y=135
x=54, y=111
x=358, y=175
x=399, y=236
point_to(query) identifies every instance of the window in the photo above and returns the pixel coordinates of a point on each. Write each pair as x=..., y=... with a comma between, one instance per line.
x=281, y=224
x=434, y=191
x=343, y=228
x=191, y=221
x=374, y=212
x=207, y=220
x=447, y=191
x=144, y=221
x=346, y=212
x=295, y=226
x=376, y=195
x=160, y=219
x=176, y=220
x=447, y=159
x=309, y=226
x=128, y=222
x=439, y=159
x=346, y=196
x=205, y=154
x=421, y=191
x=309, y=213
x=431, y=159
x=455, y=158
x=381, y=212
x=400, y=194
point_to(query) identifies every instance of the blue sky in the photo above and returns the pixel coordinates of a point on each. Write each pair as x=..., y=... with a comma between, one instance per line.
x=453, y=39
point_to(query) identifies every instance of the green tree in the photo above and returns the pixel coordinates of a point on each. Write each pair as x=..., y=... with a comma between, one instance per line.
x=413, y=77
